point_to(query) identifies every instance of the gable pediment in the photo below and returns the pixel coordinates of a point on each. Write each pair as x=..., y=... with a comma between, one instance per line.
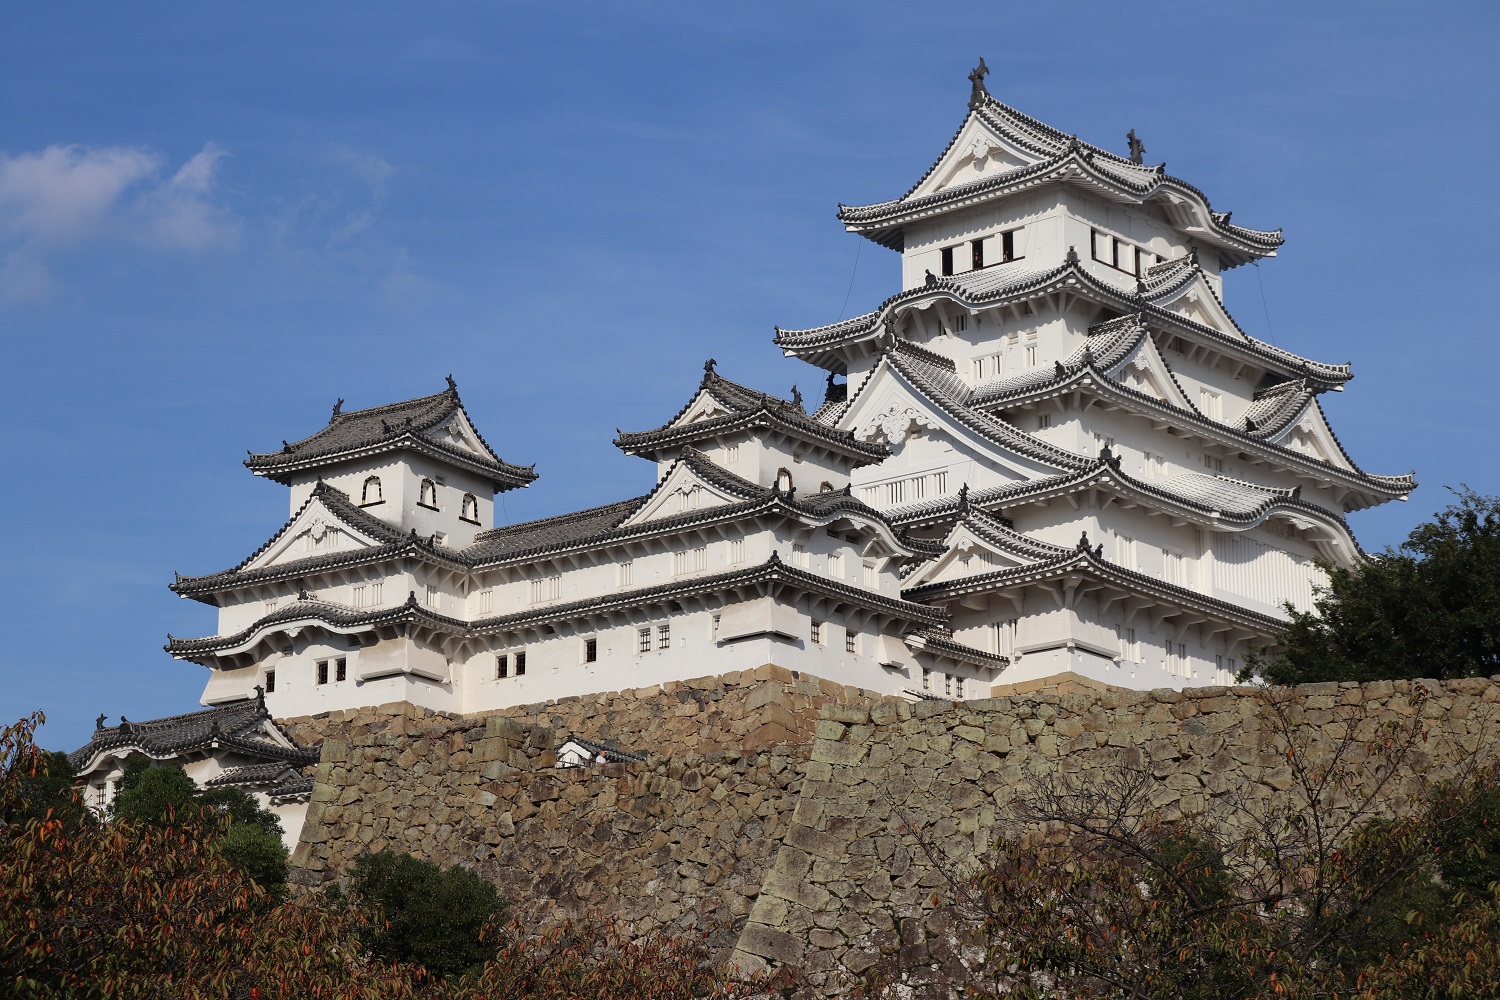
x=969, y=554
x=456, y=432
x=1146, y=372
x=979, y=153
x=315, y=530
x=682, y=491
x=1311, y=436
x=1196, y=301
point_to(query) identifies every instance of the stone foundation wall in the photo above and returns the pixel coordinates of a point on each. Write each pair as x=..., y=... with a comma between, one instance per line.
x=900, y=797
x=804, y=823
x=681, y=841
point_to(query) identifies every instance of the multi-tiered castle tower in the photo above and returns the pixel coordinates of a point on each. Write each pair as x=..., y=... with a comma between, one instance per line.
x=1053, y=450
x=1127, y=485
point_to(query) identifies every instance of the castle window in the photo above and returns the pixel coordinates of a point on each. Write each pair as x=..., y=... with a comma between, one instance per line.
x=340, y=669
x=817, y=632
x=486, y=601
x=714, y=630
x=976, y=254
x=371, y=495
x=1031, y=356
x=926, y=679
x=625, y=573
x=784, y=480
x=502, y=666
x=521, y=664
x=469, y=509
x=377, y=592
x=548, y=588
x=322, y=671
x=643, y=640
x=360, y=599
x=1044, y=421
x=732, y=452
x=736, y=551
x=690, y=560
x=427, y=495
x=590, y=650
x=872, y=578
x=836, y=566
x=1213, y=462
x=270, y=681
x=1211, y=403
x=799, y=555
x=851, y=641
x=948, y=261
x=434, y=598
x=664, y=636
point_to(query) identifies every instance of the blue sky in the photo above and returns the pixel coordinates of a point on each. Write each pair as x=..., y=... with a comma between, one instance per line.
x=217, y=219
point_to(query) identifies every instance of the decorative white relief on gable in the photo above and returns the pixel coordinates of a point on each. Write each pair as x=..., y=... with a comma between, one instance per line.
x=705, y=407
x=457, y=433
x=977, y=154
x=967, y=555
x=316, y=530
x=681, y=492
x=894, y=420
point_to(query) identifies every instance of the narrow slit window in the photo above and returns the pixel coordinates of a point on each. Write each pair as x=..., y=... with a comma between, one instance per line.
x=520, y=664
x=590, y=650
x=502, y=666
x=664, y=636
x=817, y=632
x=643, y=640
x=976, y=254
x=851, y=641
x=340, y=669
x=948, y=261
x=270, y=681
x=322, y=671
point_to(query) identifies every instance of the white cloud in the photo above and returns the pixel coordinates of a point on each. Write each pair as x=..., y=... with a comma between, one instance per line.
x=65, y=193
x=181, y=213
x=63, y=198
x=375, y=171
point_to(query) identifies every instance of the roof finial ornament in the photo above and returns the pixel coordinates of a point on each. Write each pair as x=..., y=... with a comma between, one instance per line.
x=285, y=447
x=1072, y=257
x=931, y=278
x=338, y=408
x=99, y=722
x=708, y=367
x=260, y=700
x=797, y=398
x=963, y=500
x=1137, y=148
x=302, y=594
x=452, y=385
x=978, y=94
x=1107, y=456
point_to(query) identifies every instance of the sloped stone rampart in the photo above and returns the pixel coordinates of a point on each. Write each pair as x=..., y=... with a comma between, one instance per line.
x=899, y=798
x=804, y=823
x=680, y=841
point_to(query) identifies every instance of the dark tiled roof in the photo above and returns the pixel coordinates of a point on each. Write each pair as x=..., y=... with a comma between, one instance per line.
x=1087, y=374
x=412, y=614
x=746, y=408
x=255, y=774
x=944, y=644
x=1276, y=407
x=1060, y=156
x=1085, y=561
x=605, y=525
x=608, y=748
x=386, y=428
x=979, y=289
x=393, y=543
x=238, y=726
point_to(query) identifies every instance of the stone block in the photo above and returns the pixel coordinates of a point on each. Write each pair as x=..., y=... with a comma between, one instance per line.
x=847, y=714
x=827, y=729
x=838, y=754
x=771, y=944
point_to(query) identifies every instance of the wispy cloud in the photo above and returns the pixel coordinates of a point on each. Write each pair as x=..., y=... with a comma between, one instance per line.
x=64, y=198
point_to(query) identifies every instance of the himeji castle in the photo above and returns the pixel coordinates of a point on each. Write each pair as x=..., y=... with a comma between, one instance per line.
x=1053, y=449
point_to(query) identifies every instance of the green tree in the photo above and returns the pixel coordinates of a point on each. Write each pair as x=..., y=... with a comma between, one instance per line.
x=425, y=914
x=1430, y=608
x=165, y=796
x=43, y=785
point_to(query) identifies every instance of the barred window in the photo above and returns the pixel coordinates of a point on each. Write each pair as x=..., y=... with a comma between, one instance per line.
x=664, y=636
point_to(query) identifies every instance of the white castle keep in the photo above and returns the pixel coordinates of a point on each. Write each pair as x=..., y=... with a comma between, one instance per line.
x=1052, y=450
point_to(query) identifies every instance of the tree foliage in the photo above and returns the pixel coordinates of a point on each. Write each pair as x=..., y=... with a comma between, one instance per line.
x=1428, y=609
x=424, y=914
x=147, y=909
